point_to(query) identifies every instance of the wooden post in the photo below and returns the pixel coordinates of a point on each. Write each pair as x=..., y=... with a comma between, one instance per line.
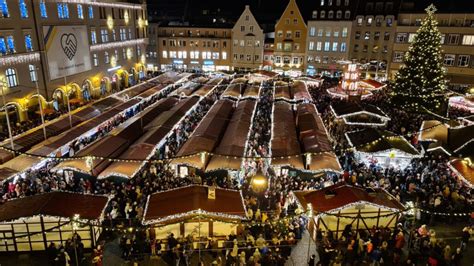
x=337, y=225
x=378, y=218
x=43, y=232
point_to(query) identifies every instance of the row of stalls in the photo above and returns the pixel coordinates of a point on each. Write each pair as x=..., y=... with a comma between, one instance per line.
x=32, y=223
x=82, y=123
x=454, y=139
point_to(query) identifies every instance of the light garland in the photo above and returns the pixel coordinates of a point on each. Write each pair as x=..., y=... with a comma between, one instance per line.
x=112, y=45
x=16, y=59
x=104, y=4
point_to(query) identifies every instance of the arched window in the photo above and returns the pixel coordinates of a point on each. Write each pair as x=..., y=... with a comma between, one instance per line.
x=331, y=14
x=106, y=57
x=347, y=15
x=12, y=79
x=23, y=9
x=339, y=14
x=33, y=74
x=315, y=14
x=323, y=14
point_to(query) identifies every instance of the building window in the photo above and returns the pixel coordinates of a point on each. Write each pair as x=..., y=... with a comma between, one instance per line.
x=80, y=12
x=242, y=28
x=33, y=75
x=329, y=2
x=63, y=11
x=311, y=46
x=124, y=53
x=468, y=40
x=327, y=46
x=357, y=35
x=331, y=14
x=224, y=56
x=359, y=21
x=377, y=35
x=389, y=22
x=398, y=56
x=280, y=33
x=323, y=14
x=287, y=47
x=344, y=32
x=315, y=14
x=257, y=44
x=288, y=34
x=28, y=43
x=279, y=46
x=378, y=22
x=164, y=54
x=139, y=52
x=116, y=55
x=114, y=38
x=93, y=36
x=295, y=60
x=328, y=32
x=249, y=57
x=411, y=37
x=339, y=14
x=278, y=59
x=12, y=79
x=463, y=61
x=106, y=58
x=4, y=9
x=449, y=59
x=44, y=13
x=123, y=36
x=453, y=39
x=367, y=35
x=319, y=46
x=356, y=48
x=129, y=33
x=90, y=10
x=23, y=9
x=95, y=59
x=320, y=32
x=322, y=2
x=312, y=31
x=334, y=46
x=401, y=38
x=343, y=46
x=346, y=2
x=297, y=34
x=104, y=35
x=386, y=36
x=11, y=44
x=347, y=14
x=3, y=46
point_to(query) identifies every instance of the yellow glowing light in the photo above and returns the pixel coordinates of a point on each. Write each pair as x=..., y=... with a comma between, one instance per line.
x=110, y=22
x=126, y=17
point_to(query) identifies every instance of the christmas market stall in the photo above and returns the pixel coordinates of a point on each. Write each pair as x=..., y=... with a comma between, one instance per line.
x=464, y=169
x=300, y=92
x=335, y=207
x=199, y=211
x=381, y=148
x=282, y=91
x=236, y=88
x=196, y=151
x=358, y=114
x=452, y=139
x=464, y=103
x=31, y=223
x=232, y=146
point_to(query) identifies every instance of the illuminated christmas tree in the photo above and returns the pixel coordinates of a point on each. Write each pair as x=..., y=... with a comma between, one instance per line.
x=420, y=84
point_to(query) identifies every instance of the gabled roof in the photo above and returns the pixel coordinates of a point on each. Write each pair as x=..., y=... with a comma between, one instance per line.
x=188, y=202
x=344, y=109
x=242, y=21
x=371, y=140
x=59, y=204
x=292, y=6
x=340, y=195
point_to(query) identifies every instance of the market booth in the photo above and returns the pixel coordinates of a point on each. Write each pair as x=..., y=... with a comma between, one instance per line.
x=358, y=114
x=333, y=208
x=195, y=210
x=31, y=223
x=464, y=169
x=381, y=148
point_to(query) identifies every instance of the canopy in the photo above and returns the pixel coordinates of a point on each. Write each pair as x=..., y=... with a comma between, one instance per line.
x=57, y=204
x=300, y=91
x=185, y=203
x=282, y=90
x=339, y=196
x=372, y=141
x=233, y=143
x=207, y=134
x=208, y=87
x=464, y=169
x=252, y=91
x=284, y=144
x=354, y=113
x=236, y=88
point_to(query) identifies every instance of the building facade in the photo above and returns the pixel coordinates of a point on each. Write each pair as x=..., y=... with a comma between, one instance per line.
x=194, y=47
x=329, y=36
x=247, y=42
x=290, y=41
x=152, y=48
x=373, y=34
x=457, y=44
x=115, y=42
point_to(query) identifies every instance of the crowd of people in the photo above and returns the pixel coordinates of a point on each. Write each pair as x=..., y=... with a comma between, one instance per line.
x=427, y=182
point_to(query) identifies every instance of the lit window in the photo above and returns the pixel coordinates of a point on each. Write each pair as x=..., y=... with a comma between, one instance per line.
x=80, y=12
x=113, y=35
x=124, y=53
x=322, y=2
x=339, y=14
x=3, y=46
x=369, y=21
x=12, y=79
x=343, y=47
x=344, y=32
x=63, y=11
x=23, y=9
x=11, y=44
x=468, y=40
x=327, y=46
x=311, y=46
x=129, y=34
x=334, y=46
x=91, y=12
x=106, y=58
x=43, y=12
x=104, y=35
x=95, y=59
x=93, y=36
x=33, y=75
x=449, y=59
x=319, y=46
x=28, y=43
x=312, y=31
x=4, y=9
x=224, y=56
x=398, y=56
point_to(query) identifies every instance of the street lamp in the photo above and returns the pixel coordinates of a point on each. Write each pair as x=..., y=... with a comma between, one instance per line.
x=3, y=84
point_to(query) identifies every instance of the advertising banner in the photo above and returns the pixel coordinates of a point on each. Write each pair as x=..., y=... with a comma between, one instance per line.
x=67, y=50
